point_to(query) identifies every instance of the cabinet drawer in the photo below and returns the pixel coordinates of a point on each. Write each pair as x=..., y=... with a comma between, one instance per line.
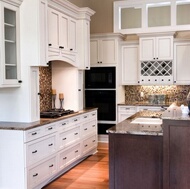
x=40, y=148
x=62, y=125
x=89, y=127
x=67, y=138
x=75, y=120
x=87, y=116
x=42, y=171
x=66, y=157
x=89, y=144
x=127, y=109
x=38, y=132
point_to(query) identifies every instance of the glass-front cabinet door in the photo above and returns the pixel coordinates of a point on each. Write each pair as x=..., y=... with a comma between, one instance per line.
x=10, y=63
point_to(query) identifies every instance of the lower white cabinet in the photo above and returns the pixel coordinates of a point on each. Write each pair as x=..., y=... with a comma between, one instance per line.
x=38, y=155
x=125, y=111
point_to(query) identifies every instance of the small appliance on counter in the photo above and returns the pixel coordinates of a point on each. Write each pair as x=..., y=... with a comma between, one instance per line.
x=55, y=113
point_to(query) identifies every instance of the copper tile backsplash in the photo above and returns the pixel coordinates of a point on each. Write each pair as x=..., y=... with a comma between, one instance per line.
x=173, y=93
x=45, y=88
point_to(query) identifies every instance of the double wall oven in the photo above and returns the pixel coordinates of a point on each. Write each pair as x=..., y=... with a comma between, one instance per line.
x=100, y=92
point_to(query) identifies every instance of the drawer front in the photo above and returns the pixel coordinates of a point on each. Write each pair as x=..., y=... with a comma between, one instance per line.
x=127, y=109
x=40, y=131
x=89, y=128
x=89, y=144
x=75, y=120
x=33, y=134
x=69, y=137
x=69, y=156
x=39, y=149
x=62, y=125
x=41, y=172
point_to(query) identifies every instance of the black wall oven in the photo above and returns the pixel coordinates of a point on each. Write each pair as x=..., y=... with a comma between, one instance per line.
x=100, y=78
x=100, y=92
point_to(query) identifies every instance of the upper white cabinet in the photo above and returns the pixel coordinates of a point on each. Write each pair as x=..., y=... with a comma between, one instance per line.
x=130, y=63
x=181, y=62
x=104, y=49
x=156, y=48
x=62, y=39
x=9, y=50
x=34, y=32
x=151, y=16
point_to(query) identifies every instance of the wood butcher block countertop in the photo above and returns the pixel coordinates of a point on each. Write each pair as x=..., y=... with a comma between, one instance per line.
x=43, y=121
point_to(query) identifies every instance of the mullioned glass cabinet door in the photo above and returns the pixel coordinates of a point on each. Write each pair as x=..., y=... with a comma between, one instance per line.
x=10, y=58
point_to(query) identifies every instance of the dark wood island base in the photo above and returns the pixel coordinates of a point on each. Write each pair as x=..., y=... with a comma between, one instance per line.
x=135, y=161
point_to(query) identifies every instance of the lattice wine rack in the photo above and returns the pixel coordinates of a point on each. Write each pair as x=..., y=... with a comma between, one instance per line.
x=156, y=68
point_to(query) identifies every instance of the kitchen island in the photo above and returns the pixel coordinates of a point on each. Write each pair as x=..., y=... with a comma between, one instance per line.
x=156, y=158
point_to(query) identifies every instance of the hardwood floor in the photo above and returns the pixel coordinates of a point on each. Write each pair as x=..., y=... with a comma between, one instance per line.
x=92, y=173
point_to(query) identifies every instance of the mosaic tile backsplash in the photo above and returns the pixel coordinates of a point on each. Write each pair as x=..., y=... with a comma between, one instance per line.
x=132, y=93
x=173, y=93
x=45, y=88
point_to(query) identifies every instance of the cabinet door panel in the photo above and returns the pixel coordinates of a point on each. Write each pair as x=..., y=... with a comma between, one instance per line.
x=147, y=48
x=130, y=61
x=72, y=35
x=63, y=35
x=108, y=51
x=164, y=48
x=53, y=33
x=94, y=52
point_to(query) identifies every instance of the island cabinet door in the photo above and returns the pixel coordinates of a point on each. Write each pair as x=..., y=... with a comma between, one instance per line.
x=135, y=162
x=176, y=154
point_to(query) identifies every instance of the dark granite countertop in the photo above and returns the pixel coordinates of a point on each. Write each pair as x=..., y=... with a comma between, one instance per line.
x=41, y=122
x=143, y=103
x=126, y=127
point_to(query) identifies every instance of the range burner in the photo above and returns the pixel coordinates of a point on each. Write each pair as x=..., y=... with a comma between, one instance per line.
x=55, y=113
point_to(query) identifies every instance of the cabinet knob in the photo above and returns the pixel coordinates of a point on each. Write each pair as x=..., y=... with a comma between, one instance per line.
x=154, y=58
x=71, y=49
x=19, y=81
x=157, y=58
x=155, y=79
x=50, y=45
x=174, y=81
x=86, y=67
x=61, y=47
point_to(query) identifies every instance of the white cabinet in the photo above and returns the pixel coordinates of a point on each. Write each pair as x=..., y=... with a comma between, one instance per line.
x=9, y=50
x=104, y=49
x=151, y=108
x=62, y=41
x=130, y=63
x=34, y=35
x=181, y=62
x=156, y=48
x=125, y=111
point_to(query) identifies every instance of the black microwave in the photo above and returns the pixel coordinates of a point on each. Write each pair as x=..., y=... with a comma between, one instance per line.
x=100, y=78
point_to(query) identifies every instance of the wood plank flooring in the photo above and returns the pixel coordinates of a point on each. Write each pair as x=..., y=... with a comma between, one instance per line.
x=92, y=173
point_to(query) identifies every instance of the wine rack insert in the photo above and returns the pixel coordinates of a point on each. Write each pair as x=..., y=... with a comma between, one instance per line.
x=156, y=68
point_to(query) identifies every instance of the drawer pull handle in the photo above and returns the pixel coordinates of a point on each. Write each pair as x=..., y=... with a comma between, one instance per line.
x=50, y=144
x=85, y=116
x=50, y=128
x=65, y=158
x=51, y=165
x=35, y=175
x=85, y=129
x=64, y=138
x=94, y=141
x=93, y=114
x=76, y=151
x=35, y=151
x=63, y=123
x=86, y=145
x=93, y=125
x=34, y=133
x=76, y=120
x=76, y=133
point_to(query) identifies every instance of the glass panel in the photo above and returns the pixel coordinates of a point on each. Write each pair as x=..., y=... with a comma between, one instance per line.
x=10, y=44
x=11, y=72
x=10, y=16
x=159, y=16
x=183, y=14
x=130, y=18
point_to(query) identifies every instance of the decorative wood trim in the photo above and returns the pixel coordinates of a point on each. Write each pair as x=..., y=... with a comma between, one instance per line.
x=13, y=2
